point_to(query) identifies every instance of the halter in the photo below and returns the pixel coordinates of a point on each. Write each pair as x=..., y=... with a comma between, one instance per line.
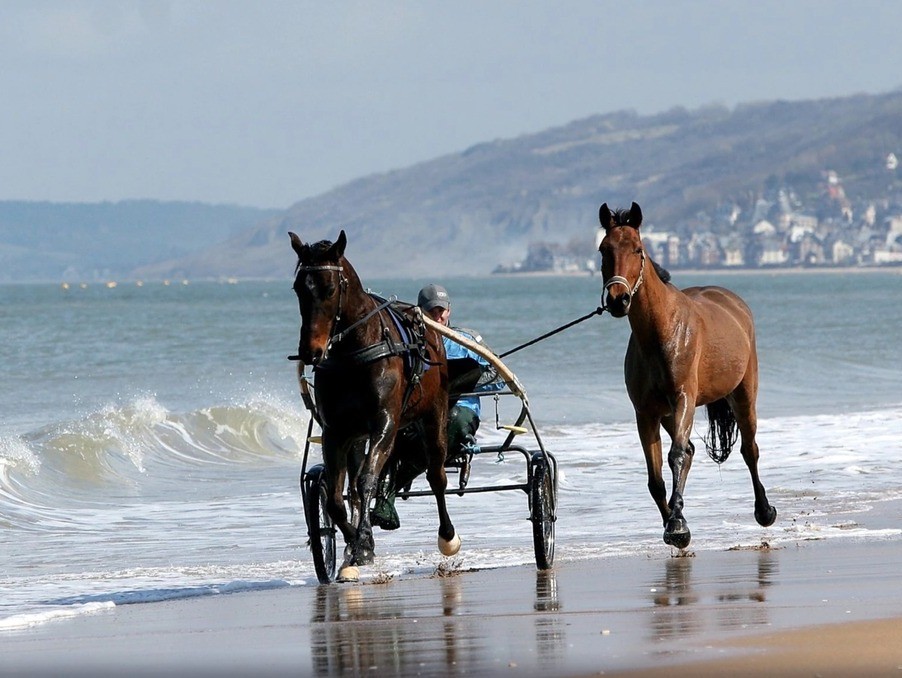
x=620, y=280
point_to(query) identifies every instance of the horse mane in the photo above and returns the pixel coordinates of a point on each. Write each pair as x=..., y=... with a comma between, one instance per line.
x=662, y=272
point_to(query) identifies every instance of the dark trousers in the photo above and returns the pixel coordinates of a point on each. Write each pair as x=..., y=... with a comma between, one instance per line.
x=410, y=458
x=462, y=426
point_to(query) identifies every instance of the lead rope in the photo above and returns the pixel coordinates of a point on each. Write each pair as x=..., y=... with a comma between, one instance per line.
x=597, y=311
x=614, y=280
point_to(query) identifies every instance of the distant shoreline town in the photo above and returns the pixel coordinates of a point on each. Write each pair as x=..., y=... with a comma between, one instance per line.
x=777, y=230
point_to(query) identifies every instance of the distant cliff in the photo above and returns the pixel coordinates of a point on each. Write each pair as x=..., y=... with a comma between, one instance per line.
x=465, y=213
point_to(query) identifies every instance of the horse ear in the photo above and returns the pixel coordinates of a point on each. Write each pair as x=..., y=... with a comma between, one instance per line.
x=635, y=215
x=296, y=243
x=604, y=216
x=338, y=249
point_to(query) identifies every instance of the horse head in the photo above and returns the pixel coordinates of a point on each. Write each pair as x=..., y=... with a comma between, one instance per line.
x=622, y=257
x=320, y=284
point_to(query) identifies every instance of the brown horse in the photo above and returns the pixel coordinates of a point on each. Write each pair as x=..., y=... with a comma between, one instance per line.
x=687, y=348
x=371, y=380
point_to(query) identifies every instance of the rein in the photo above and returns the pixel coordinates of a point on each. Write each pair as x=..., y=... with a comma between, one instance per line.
x=341, y=335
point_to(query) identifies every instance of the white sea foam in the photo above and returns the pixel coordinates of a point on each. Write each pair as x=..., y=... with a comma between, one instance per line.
x=18, y=622
x=15, y=453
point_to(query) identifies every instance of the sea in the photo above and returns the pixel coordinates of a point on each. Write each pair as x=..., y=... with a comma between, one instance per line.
x=151, y=435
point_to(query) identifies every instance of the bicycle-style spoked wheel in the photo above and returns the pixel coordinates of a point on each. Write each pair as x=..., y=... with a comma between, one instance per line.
x=542, y=510
x=320, y=528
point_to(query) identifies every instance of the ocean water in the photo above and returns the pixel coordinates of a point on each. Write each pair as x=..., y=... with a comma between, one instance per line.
x=151, y=436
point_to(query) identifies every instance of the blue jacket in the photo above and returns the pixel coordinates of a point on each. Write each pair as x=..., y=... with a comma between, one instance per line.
x=453, y=350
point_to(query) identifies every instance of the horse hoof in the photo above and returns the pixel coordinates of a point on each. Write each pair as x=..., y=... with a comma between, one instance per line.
x=768, y=518
x=677, y=534
x=449, y=548
x=349, y=573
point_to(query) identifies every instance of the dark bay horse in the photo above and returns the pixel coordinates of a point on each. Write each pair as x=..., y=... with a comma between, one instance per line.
x=687, y=348
x=371, y=380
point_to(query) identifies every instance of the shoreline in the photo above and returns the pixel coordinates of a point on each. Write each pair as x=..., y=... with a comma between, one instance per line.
x=238, y=280
x=733, y=611
x=730, y=271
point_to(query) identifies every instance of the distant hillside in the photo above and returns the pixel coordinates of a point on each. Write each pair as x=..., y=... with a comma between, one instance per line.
x=464, y=213
x=467, y=212
x=42, y=241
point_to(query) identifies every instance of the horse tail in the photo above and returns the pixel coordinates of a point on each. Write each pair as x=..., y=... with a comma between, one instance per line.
x=722, y=433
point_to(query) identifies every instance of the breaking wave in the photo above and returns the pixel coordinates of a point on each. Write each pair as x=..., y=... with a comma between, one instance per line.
x=125, y=449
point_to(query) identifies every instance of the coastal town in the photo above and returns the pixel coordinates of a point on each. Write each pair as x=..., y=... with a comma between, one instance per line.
x=774, y=229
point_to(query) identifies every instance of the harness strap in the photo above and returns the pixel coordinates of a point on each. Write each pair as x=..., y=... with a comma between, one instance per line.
x=324, y=267
x=341, y=335
x=368, y=354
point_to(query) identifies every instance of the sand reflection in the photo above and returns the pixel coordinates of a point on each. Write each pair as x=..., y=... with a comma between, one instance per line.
x=549, y=627
x=674, y=595
x=688, y=605
x=376, y=628
x=449, y=625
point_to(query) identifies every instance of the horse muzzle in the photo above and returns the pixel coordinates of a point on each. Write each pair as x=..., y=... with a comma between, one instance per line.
x=619, y=305
x=310, y=356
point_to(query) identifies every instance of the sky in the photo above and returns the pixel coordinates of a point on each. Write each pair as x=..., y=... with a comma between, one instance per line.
x=265, y=103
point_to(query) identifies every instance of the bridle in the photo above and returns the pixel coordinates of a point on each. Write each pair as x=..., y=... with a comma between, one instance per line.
x=342, y=287
x=336, y=337
x=620, y=280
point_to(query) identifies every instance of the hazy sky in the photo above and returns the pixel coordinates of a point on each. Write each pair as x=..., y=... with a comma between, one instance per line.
x=265, y=103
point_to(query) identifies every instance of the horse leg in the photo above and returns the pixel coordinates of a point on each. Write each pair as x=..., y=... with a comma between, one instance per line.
x=437, y=434
x=650, y=436
x=448, y=539
x=335, y=504
x=743, y=404
x=336, y=472
x=353, y=456
x=361, y=549
x=676, y=530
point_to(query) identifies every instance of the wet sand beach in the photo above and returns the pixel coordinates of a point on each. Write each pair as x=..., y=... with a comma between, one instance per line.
x=812, y=608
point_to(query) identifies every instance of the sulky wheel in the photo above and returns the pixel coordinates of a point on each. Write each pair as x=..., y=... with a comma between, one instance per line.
x=319, y=524
x=542, y=506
